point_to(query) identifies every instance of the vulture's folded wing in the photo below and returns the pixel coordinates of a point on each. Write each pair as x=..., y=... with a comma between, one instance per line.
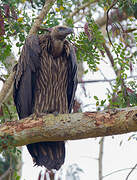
x=26, y=71
x=72, y=78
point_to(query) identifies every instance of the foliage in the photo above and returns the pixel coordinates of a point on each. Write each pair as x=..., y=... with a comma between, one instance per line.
x=10, y=156
x=89, y=44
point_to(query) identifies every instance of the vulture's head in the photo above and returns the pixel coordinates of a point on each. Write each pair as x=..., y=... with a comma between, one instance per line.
x=60, y=32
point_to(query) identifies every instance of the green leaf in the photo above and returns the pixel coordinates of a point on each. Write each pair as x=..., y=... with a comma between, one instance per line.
x=86, y=71
x=96, y=98
x=18, y=178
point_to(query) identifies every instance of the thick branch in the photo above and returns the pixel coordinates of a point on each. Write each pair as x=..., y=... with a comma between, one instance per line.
x=6, y=173
x=71, y=126
x=39, y=19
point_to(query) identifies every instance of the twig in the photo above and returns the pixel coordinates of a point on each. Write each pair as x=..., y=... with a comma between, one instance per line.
x=116, y=172
x=130, y=30
x=109, y=54
x=106, y=79
x=79, y=20
x=113, y=4
x=131, y=171
x=103, y=80
x=100, y=160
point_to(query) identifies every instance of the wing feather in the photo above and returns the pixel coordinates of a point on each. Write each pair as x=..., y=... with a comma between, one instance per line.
x=25, y=76
x=72, y=78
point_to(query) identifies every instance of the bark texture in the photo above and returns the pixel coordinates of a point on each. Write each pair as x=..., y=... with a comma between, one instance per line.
x=71, y=126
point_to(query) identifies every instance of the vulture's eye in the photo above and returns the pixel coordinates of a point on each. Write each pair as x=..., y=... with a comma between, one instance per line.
x=61, y=28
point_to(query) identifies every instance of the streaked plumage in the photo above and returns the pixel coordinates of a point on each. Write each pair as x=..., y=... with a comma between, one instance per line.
x=45, y=82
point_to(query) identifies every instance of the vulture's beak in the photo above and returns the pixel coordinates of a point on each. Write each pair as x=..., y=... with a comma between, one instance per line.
x=69, y=31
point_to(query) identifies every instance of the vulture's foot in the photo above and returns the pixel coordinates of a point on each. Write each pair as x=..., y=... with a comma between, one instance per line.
x=112, y=111
x=34, y=116
x=37, y=115
x=55, y=113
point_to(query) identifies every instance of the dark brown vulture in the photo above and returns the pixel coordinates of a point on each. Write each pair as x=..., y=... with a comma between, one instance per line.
x=45, y=82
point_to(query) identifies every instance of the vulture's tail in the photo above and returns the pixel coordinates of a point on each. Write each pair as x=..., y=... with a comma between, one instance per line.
x=48, y=154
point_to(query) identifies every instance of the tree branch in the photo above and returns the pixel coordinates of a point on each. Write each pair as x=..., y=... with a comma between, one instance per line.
x=6, y=173
x=112, y=5
x=39, y=19
x=131, y=171
x=100, y=160
x=102, y=80
x=70, y=126
x=119, y=170
x=109, y=55
x=8, y=85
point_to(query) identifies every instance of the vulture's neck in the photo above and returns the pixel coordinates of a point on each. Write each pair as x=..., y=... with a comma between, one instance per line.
x=57, y=47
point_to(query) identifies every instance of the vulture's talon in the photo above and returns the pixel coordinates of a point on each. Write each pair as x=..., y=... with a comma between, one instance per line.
x=55, y=113
x=42, y=114
x=34, y=116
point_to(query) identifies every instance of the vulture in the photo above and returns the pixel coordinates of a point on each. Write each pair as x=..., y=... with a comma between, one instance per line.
x=45, y=82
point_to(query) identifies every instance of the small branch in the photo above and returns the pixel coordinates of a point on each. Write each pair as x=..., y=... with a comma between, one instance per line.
x=109, y=54
x=113, y=4
x=100, y=160
x=106, y=79
x=129, y=30
x=116, y=172
x=131, y=171
x=102, y=80
x=79, y=19
x=70, y=126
